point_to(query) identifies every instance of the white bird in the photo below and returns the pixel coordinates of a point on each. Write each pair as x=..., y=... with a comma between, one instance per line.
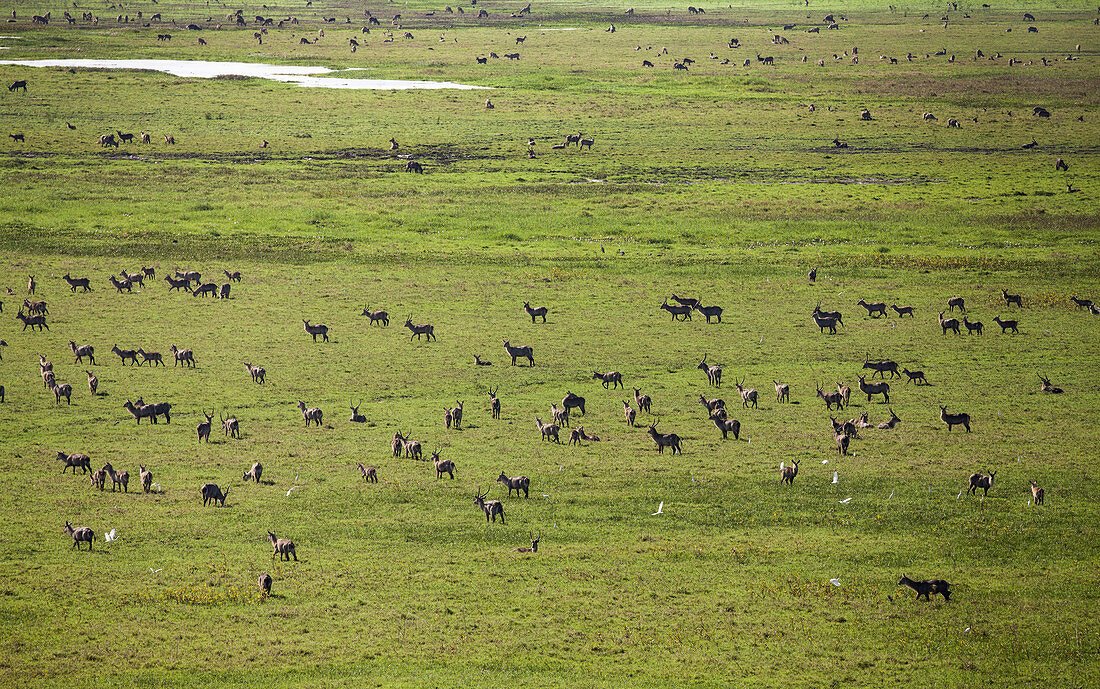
x=836, y=478
x=154, y=571
x=110, y=536
x=296, y=476
x=157, y=486
x=291, y=491
x=840, y=293
x=891, y=496
x=781, y=466
x=824, y=461
x=835, y=582
x=959, y=496
x=545, y=495
x=693, y=476
x=660, y=510
x=560, y=466
x=845, y=501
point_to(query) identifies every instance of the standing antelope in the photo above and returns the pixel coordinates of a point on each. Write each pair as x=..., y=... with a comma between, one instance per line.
x=494, y=404
x=714, y=373
x=80, y=534
x=212, y=493
x=664, y=440
x=747, y=395
x=629, y=413
x=515, y=483
x=1037, y=493
x=950, y=324
x=125, y=354
x=281, y=546
x=612, y=378
x=902, y=310
x=1006, y=325
x=712, y=405
x=534, y=313
x=972, y=326
x=456, y=415
x=234, y=276
x=442, y=466
x=548, y=430
x=830, y=398
x=571, y=401
x=231, y=426
x=31, y=285
x=203, y=429
x=146, y=478
x=643, y=402
x=312, y=414
x=915, y=376
x=1011, y=299
x=880, y=368
x=869, y=389
x=84, y=283
x=956, y=301
x=561, y=416
x=82, y=351
x=491, y=507
x=842, y=440
x=985, y=482
x=259, y=375
x=952, y=420
x=782, y=391
x=825, y=322
x=74, y=461
x=316, y=330
x=788, y=473
x=412, y=447
x=369, y=473
x=726, y=425
x=418, y=330
x=873, y=308
x=182, y=356
x=710, y=312
x=518, y=352
x=927, y=587
x=154, y=357
x=63, y=390
x=382, y=317
x=684, y=312
x=1081, y=303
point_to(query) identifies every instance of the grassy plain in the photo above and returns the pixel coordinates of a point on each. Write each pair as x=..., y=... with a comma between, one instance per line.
x=718, y=182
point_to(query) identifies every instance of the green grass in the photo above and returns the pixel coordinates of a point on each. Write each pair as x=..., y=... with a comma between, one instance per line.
x=717, y=183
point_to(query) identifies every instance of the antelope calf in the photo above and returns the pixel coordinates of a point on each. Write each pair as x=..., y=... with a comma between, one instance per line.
x=629, y=413
x=983, y=481
x=1037, y=493
x=146, y=477
x=842, y=440
x=479, y=362
x=370, y=474
x=264, y=581
x=1006, y=325
x=927, y=587
x=515, y=483
x=782, y=391
x=915, y=376
x=491, y=507
x=787, y=474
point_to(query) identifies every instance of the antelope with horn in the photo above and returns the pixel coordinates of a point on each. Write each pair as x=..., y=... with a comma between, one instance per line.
x=747, y=395
x=491, y=507
x=664, y=440
x=714, y=373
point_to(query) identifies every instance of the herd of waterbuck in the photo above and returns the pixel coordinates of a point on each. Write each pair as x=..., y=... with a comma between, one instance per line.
x=402, y=444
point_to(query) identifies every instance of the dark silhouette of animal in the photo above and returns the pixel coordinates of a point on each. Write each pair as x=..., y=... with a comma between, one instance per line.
x=927, y=587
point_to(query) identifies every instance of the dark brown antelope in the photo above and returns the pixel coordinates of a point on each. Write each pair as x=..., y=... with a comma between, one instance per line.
x=629, y=413
x=515, y=483
x=747, y=394
x=534, y=313
x=154, y=357
x=149, y=272
x=494, y=404
x=714, y=373
x=281, y=546
x=612, y=378
x=62, y=390
x=182, y=356
x=456, y=415
x=80, y=534
x=234, y=276
x=956, y=301
x=123, y=285
x=664, y=440
x=842, y=440
x=949, y=324
x=133, y=278
x=902, y=310
x=311, y=414
x=82, y=351
x=836, y=315
x=203, y=429
x=32, y=322
x=491, y=507
x=519, y=352
x=140, y=412
x=316, y=330
x=356, y=417
x=74, y=461
x=1046, y=386
x=413, y=448
x=534, y=545
x=726, y=425
x=830, y=398
x=1006, y=325
x=952, y=420
x=549, y=431
x=212, y=493
x=478, y=361
x=1081, y=303
x=258, y=373
x=782, y=391
x=39, y=307
x=825, y=322
x=176, y=284
x=146, y=477
x=787, y=474
x=264, y=580
x=886, y=425
x=685, y=301
x=712, y=404
x=869, y=389
x=159, y=409
x=643, y=402
x=915, y=376
x=85, y=284
x=972, y=326
x=370, y=474
x=880, y=367
x=1011, y=299
x=1037, y=493
x=381, y=317
x=571, y=401
x=873, y=308
x=125, y=354
x=683, y=312
x=710, y=312
x=983, y=481
x=418, y=330
x=927, y=587
x=442, y=466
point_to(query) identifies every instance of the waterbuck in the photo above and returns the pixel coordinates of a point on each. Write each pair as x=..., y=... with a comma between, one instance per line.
x=1081, y=303
x=212, y=493
x=612, y=378
x=515, y=483
x=182, y=356
x=787, y=474
x=145, y=411
x=154, y=357
x=124, y=284
x=281, y=546
x=683, y=312
x=74, y=461
x=177, y=283
x=685, y=301
x=203, y=429
x=456, y=415
x=258, y=373
x=971, y=326
x=370, y=474
x=830, y=398
x=494, y=404
x=836, y=315
x=519, y=352
x=747, y=395
x=880, y=367
x=84, y=283
x=953, y=420
x=159, y=409
x=491, y=507
x=927, y=587
x=118, y=478
x=561, y=416
x=264, y=580
x=80, y=534
x=125, y=354
x=629, y=413
x=1037, y=493
x=548, y=430
x=32, y=322
x=842, y=440
x=714, y=373
x=710, y=312
x=62, y=390
x=712, y=404
x=231, y=426
x=1006, y=325
x=534, y=545
x=381, y=317
x=782, y=391
x=902, y=310
x=478, y=361
x=949, y=324
x=146, y=477
x=873, y=308
x=825, y=322
x=983, y=481
x=664, y=440
x=956, y=301
x=316, y=330
x=311, y=415
x=412, y=448
x=915, y=376
x=442, y=466
x=886, y=425
x=571, y=401
x=726, y=425
x=1046, y=386
x=577, y=435
x=234, y=276
x=535, y=312
x=643, y=402
x=1011, y=299
x=869, y=389
x=356, y=417
x=418, y=330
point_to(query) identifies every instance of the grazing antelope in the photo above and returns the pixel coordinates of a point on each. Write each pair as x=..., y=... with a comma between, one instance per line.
x=231, y=426
x=80, y=534
x=830, y=398
x=146, y=478
x=518, y=352
x=726, y=425
x=611, y=378
x=182, y=356
x=82, y=351
x=571, y=401
x=710, y=312
x=561, y=416
x=369, y=473
x=683, y=312
x=747, y=395
x=629, y=413
x=902, y=310
x=382, y=317
x=418, y=330
x=356, y=417
x=956, y=301
x=456, y=415
x=917, y=376
x=74, y=461
x=714, y=373
x=234, y=276
x=312, y=414
x=1036, y=493
x=972, y=326
x=782, y=391
x=1046, y=386
x=258, y=373
x=927, y=587
x=548, y=430
x=949, y=324
x=664, y=440
x=494, y=404
x=254, y=473
x=983, y=481
x=643, y=402
x=880, y=367
x=264, y=580
x=281, y=546
x=535, y=312
x=203, y=429
x=1081, y=303
x=887, y=425
x=154, y=357
x=442, y=466
x=212, y=493
x=788, y=473
x=873, y=308
x=1006, y=325
x=534, y=545
x=316, y=330
x=125, y=354
x=491, y=507
x=84, y=283
x=515, y=483
x=874, y=389
x=952, y=420
x=1011, y=299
